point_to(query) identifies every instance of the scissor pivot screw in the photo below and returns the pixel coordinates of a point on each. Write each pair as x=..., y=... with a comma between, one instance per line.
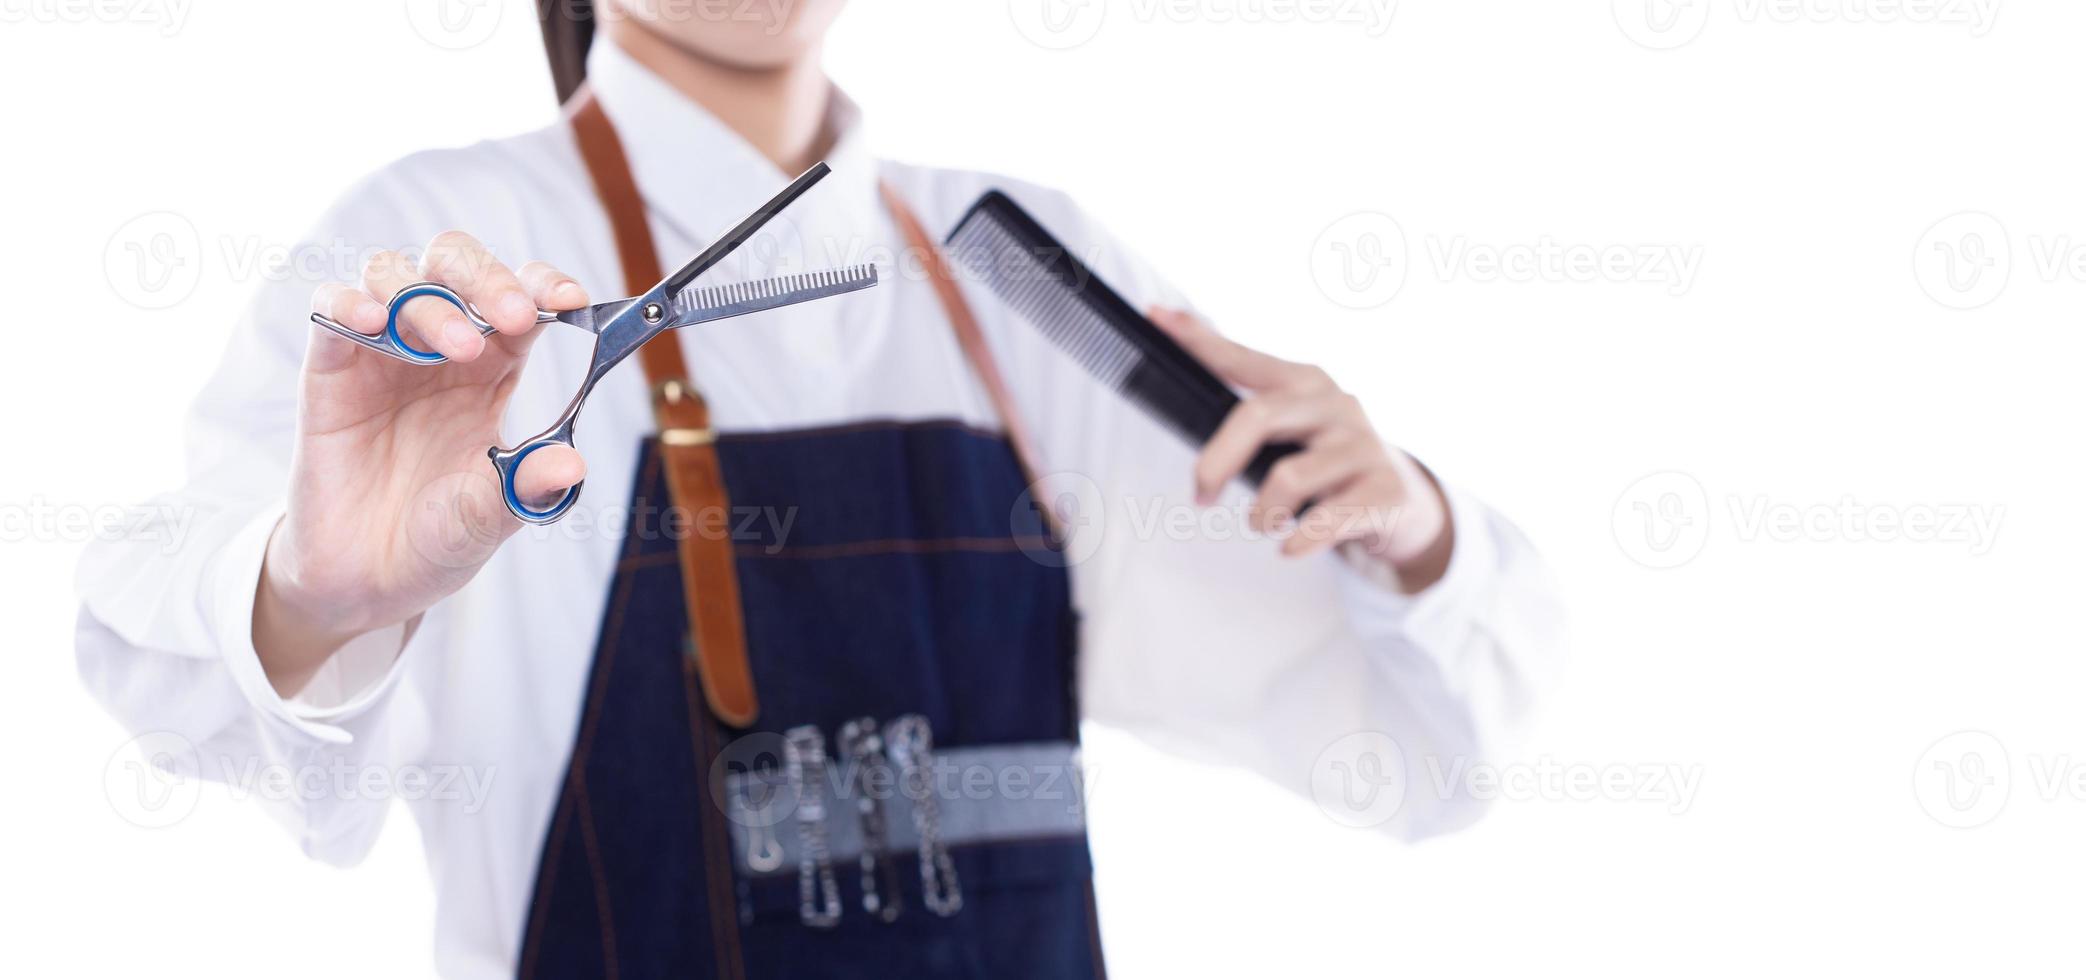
x=654, y=312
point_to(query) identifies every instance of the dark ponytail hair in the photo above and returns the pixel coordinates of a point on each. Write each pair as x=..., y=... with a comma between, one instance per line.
x=568, y=29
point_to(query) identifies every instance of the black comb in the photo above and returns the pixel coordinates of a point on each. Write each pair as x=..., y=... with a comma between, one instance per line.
x=1042, y=280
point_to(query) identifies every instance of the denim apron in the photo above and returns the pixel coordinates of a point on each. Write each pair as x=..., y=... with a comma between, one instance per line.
x=909, y=804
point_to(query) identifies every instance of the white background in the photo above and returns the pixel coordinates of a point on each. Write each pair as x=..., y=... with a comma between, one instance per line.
x=1813, y=365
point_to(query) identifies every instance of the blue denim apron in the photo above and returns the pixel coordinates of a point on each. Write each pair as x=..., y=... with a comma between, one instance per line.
x=910, y=804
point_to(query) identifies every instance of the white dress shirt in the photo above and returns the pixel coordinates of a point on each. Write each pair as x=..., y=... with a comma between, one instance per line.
x=1204, y=641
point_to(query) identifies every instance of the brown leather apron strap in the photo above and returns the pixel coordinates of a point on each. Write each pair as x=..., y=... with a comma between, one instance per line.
x=686, y=443
x=694, y=477
x=969, y=337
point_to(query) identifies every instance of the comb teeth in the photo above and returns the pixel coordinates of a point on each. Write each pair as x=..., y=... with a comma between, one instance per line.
x=1017, y=275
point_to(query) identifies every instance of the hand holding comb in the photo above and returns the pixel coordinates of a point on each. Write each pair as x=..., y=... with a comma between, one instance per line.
x=1037, y=276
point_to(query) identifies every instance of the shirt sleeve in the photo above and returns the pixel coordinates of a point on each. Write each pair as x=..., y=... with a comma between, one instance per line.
x=165, y=630
x=1198, y=637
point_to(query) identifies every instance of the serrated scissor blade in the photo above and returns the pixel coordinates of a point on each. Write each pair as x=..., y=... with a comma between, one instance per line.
x=701, y=304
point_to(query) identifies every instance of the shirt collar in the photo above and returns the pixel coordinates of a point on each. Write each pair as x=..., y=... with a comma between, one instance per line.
x=698, y=177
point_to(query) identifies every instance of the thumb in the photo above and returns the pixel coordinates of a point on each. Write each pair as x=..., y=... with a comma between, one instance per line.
x=545, y=475
x=458, y=521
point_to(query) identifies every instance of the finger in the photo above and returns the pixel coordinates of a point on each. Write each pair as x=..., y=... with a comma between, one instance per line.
x=425, y=323
x=464, y=264
x=1255, y=421
x=1354, y=511
x=544, y=475
x=550, y=288
x=1234, y=362
x=350, y=308
x=1310, y=475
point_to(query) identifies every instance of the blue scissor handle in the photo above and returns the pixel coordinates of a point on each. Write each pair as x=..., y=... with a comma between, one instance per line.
x=390, y=343
x=507, y=464
x=409, y=295
x=415, y=291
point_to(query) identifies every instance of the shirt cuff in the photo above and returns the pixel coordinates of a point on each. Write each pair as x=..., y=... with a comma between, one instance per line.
x=350, y=682
x=1436, y=619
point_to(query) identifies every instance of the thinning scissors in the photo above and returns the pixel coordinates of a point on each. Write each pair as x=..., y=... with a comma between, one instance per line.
x=624, y=325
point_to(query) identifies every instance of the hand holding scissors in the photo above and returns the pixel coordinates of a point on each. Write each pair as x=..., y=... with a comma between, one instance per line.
x=620, y=328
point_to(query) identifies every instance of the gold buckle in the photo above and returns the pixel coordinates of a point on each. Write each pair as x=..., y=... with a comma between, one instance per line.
x=673, y=391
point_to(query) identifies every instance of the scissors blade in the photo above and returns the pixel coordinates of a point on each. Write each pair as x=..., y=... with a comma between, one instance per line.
x=745, y=229
x=591, y=318
x=702, y=304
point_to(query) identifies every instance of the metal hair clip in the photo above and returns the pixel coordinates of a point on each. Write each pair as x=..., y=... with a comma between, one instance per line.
x=804, y=759
x=910, y=740
x=867, y=771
